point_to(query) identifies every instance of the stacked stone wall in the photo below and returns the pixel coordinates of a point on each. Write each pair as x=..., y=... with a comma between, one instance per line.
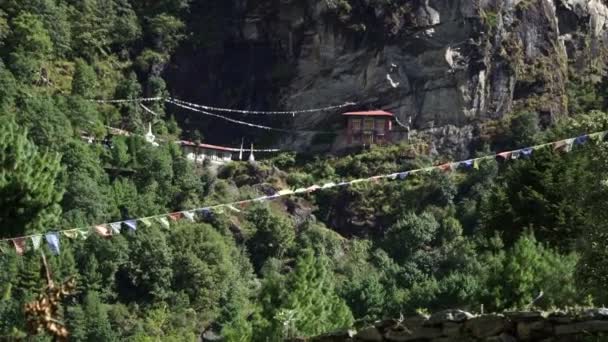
x=458, y=325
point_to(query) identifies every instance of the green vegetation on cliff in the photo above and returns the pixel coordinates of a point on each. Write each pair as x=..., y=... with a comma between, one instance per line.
x=496, y=236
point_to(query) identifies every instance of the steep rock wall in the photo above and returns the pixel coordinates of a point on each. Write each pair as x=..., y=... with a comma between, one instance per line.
x=433, y=62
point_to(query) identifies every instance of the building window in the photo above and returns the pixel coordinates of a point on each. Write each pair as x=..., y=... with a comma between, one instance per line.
x=380, y=126
x=355, y=125
x=368, y=124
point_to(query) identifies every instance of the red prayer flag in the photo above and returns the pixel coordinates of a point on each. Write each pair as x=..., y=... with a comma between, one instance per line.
x=103, y=230
x=505, y=155
x=175, y=216
x=447, y=167
x=20, y=244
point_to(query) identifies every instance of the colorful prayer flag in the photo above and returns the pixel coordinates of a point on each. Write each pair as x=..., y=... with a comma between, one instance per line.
x=313, y=188
x=52, y=240
x=447, y=167
x=285, y=192
x=20, y=245
x=83, y=233
x=189, y=215
x=393, y=176
x=3, y=248
x=467, y=164
x=115, y=227
x=526, y=152
x=563, y=145
x=233, y=208
x=205, y=212
x=131, y=224
x=403, y=175
x=175, y=216
x=581, y=140
x=299, y=190
x=328, y=185
x=146, y=221
x=516, y=154
x=504, y=155
x=164, y=222
x=36, y=241
x=70, y=234
x=103, y=230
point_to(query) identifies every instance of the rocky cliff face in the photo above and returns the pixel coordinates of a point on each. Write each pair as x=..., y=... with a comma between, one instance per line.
x=439, y=63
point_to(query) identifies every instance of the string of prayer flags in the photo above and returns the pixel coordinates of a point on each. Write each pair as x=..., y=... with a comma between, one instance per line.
x=20, y=245
x=131, y=224
x=52, y=240
x=36, y=241
x=109, y=229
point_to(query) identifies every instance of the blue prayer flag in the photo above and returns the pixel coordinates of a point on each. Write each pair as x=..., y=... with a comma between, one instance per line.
x=403, y=175
x=52, y=240
x=132, y=224
x=527, y=151
x=467, y=164
x=581, y=140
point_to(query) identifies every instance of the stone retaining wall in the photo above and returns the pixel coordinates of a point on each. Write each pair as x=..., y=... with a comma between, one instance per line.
x=457, y=325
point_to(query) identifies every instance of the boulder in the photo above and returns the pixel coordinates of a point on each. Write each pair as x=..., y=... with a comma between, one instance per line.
x=486, y=326
x=422, y=333
x=585, y=327
x=534, y=330
x=370, y=334
x=449, y=316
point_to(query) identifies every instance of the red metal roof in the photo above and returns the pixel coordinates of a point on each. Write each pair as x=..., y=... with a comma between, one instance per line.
x=369, y=113
x=207, y=146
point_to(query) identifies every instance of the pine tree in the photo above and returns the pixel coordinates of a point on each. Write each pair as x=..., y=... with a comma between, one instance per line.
x=29, y=193
x=84, y=81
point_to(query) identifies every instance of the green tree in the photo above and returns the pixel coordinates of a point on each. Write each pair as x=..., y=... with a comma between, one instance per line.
x=31, y=46
x=84, y=81
x=98, y=325
x=411, y=234
x=149, y=269
x=529, y=268
x=29, y=189
x=273, y=235
x=307, y=304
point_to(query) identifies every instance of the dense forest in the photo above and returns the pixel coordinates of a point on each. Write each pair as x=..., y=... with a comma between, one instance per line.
x=497, y=235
